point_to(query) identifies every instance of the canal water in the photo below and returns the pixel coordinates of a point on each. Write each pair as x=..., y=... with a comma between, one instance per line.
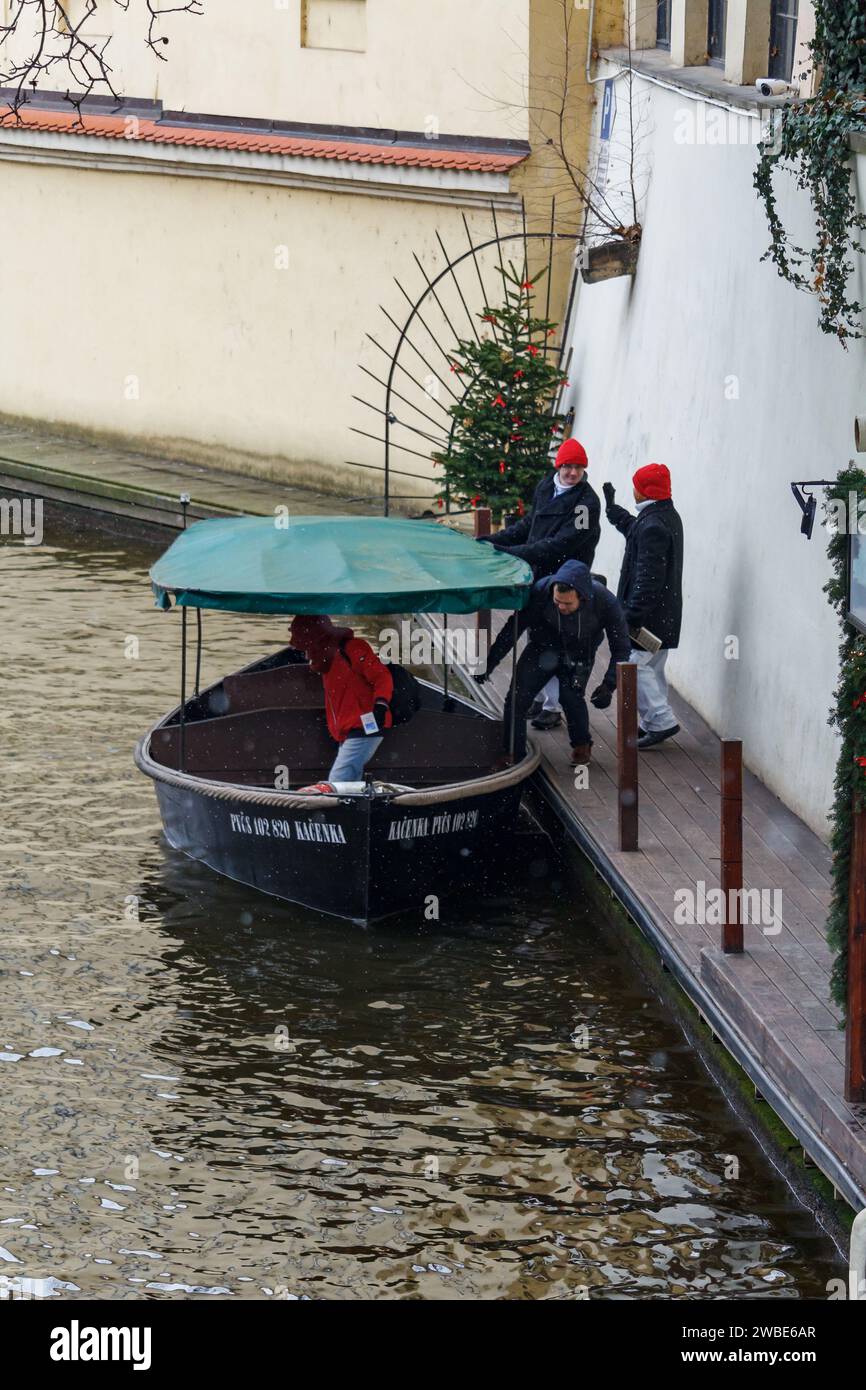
x=206, y=1093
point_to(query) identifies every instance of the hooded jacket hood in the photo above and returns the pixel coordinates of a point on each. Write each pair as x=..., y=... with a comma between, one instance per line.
x=575, y=573
x=318, y=638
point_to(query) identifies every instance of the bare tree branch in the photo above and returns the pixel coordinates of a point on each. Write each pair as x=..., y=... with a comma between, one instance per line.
x=40, y=38
x=551, y=115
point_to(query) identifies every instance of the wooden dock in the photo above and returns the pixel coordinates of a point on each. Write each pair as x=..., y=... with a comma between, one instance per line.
x=771, y=1005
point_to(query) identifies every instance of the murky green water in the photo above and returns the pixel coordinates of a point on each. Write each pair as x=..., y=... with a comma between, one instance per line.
x=206, y=1093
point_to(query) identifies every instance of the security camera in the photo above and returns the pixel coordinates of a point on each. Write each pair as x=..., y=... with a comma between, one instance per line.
x=860, y=434
x=772, y=86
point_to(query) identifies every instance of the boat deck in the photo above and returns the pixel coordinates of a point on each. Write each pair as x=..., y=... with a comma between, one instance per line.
x=270, y=717
x=771, y=1005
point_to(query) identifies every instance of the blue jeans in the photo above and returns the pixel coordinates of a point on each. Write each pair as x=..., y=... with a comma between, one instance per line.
x=354, y=755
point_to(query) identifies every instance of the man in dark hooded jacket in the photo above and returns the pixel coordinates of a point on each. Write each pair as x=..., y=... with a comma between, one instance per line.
x=567, y=616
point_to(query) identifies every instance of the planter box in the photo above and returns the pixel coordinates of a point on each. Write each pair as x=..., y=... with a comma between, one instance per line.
x=612, y=258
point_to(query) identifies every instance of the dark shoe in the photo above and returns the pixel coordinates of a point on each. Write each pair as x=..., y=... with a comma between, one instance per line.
x=535, y=709
x=650, y=740
x=548, y=719
x=580, y=754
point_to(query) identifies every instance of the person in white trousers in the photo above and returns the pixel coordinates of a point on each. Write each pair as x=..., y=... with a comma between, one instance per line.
x=650, y=590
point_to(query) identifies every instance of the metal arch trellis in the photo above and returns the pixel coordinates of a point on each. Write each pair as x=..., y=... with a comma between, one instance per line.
x=415, y=316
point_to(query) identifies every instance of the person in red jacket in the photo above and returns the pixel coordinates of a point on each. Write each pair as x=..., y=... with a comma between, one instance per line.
x=358, y=691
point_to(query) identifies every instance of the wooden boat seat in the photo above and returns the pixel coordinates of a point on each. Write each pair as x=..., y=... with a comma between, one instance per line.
x=283, y=687
x=249, y=746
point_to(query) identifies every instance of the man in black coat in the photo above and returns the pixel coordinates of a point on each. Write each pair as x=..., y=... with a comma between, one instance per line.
x=650, y=590
x=567, y=616
x=563, y=523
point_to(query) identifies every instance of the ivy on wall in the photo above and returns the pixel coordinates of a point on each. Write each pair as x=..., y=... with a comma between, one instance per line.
x=812, y=139
x=848, y=717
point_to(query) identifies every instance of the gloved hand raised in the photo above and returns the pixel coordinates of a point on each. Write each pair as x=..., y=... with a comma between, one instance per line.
x=609, y=494
x=601, y=696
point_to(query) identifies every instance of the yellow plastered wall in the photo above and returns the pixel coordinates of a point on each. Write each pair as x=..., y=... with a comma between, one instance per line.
x=207, y=319
x=420, y=63
x=165, y=322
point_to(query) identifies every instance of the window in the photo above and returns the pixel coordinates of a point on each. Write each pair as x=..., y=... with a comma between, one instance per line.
x=334, y=24
x=783, y=38
x=663, y=23
x=717, y=18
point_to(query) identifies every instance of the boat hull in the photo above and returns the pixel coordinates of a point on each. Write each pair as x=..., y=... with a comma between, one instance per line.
x=434, y=821
x=363, y=859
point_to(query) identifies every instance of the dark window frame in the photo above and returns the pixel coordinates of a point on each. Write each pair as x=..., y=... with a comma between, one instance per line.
x=663, y=24
x=784, y=17
x=717, y=21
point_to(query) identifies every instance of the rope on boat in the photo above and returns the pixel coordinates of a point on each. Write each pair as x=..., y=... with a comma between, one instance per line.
x=459, y=791
x=297, y=801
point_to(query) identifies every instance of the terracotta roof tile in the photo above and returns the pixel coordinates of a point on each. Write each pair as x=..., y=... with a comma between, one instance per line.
x=120, y=128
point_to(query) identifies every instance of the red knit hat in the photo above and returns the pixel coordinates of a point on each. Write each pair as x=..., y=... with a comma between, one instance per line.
x=571, y=451
x=654, y=481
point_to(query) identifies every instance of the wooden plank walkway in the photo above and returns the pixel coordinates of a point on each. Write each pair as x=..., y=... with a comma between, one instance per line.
x=771, y=1005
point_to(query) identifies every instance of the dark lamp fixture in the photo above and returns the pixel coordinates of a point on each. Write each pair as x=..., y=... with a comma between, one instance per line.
x=809, y=504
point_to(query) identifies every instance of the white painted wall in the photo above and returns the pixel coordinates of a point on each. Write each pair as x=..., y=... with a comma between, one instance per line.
x=654, y=362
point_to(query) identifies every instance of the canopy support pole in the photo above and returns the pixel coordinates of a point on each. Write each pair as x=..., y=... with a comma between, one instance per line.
x=182, y=751
x=513, y=730
x=447, y=702
x=181, y=762
x=198, y=650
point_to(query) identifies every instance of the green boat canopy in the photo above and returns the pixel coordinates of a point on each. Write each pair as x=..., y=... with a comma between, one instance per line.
x=336, y=564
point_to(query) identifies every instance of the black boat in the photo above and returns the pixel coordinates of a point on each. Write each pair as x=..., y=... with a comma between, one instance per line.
x=428, y=823
x=229, y=763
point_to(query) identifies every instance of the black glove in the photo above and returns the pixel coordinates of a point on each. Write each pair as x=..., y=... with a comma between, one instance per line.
x=381, y=710
x=601, y=696
x=480, y=677
x=485, y=538
x=609, y=494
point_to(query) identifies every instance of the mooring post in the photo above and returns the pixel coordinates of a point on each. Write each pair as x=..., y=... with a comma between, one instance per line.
x=626, y=752
x=483, y=526
x=732, y=844
x=855, y=1032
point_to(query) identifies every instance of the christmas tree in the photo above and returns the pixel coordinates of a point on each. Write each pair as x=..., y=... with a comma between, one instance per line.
x=504, y=425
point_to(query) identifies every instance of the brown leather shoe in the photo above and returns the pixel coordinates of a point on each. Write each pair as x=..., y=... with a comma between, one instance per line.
x=580, y=754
